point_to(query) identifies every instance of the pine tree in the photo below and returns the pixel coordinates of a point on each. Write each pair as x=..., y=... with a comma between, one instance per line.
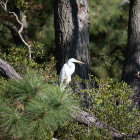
x=31, y=108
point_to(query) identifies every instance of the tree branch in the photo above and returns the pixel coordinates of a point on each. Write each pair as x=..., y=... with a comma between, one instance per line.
x=8, y=71
x=4, y=6
x=90, y=120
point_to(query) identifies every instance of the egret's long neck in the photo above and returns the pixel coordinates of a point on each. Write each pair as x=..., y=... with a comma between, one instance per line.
x=72, y=67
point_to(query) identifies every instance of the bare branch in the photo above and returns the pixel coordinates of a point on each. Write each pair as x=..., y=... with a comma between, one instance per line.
x=20, y=31
x=90, y=120
x=4, y=6
x=8, y=71
x=86, y=118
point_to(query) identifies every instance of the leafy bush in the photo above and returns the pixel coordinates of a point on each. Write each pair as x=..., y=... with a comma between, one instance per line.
x=79, y=131
x=111, y=103
x=18, y=57
x=31, y=108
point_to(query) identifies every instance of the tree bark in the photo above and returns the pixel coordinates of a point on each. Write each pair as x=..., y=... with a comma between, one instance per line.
x=71, y=20
x=131, y=70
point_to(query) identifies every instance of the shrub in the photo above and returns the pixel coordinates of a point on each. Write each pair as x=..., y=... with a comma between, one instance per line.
x=31, y=108
x=111, y=103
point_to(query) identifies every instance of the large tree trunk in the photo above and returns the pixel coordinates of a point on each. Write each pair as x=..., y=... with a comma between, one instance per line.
x=71, y=20
x=131, y=71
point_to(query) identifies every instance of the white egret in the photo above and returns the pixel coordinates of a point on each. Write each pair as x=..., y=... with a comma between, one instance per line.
x=66, y=72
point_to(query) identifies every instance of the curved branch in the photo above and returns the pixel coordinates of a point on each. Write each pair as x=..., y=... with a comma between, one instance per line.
x=4, y=6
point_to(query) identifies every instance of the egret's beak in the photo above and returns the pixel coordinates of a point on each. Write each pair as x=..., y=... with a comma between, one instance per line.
x=79, y=62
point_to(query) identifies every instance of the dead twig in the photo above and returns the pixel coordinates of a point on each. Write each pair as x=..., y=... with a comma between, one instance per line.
x=4, y=6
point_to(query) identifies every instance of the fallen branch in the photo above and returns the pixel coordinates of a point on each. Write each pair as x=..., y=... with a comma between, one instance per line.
x=91, y=120
x=80, y=116
x=4, y=6
x=7, y=70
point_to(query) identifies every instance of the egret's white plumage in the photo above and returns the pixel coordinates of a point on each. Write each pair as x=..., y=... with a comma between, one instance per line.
x=66, y=72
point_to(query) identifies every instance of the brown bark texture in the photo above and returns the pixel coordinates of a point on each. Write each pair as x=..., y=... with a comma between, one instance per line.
x=71, y=20
x=131, y=71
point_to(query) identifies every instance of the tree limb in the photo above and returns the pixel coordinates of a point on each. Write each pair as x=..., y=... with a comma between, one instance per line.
x=8, y=71
x=4, y=6
x=90, y=120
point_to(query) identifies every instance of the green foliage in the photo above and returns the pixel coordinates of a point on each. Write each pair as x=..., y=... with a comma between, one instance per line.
x=81, y=132
x=108, y=37
x=111, y=103
x=38, y=50
x=41, y=27
x=21, y=90
x=34, y=107
x=4, y=40
x=31, y=108
x=22, y=4
x=18, y=57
